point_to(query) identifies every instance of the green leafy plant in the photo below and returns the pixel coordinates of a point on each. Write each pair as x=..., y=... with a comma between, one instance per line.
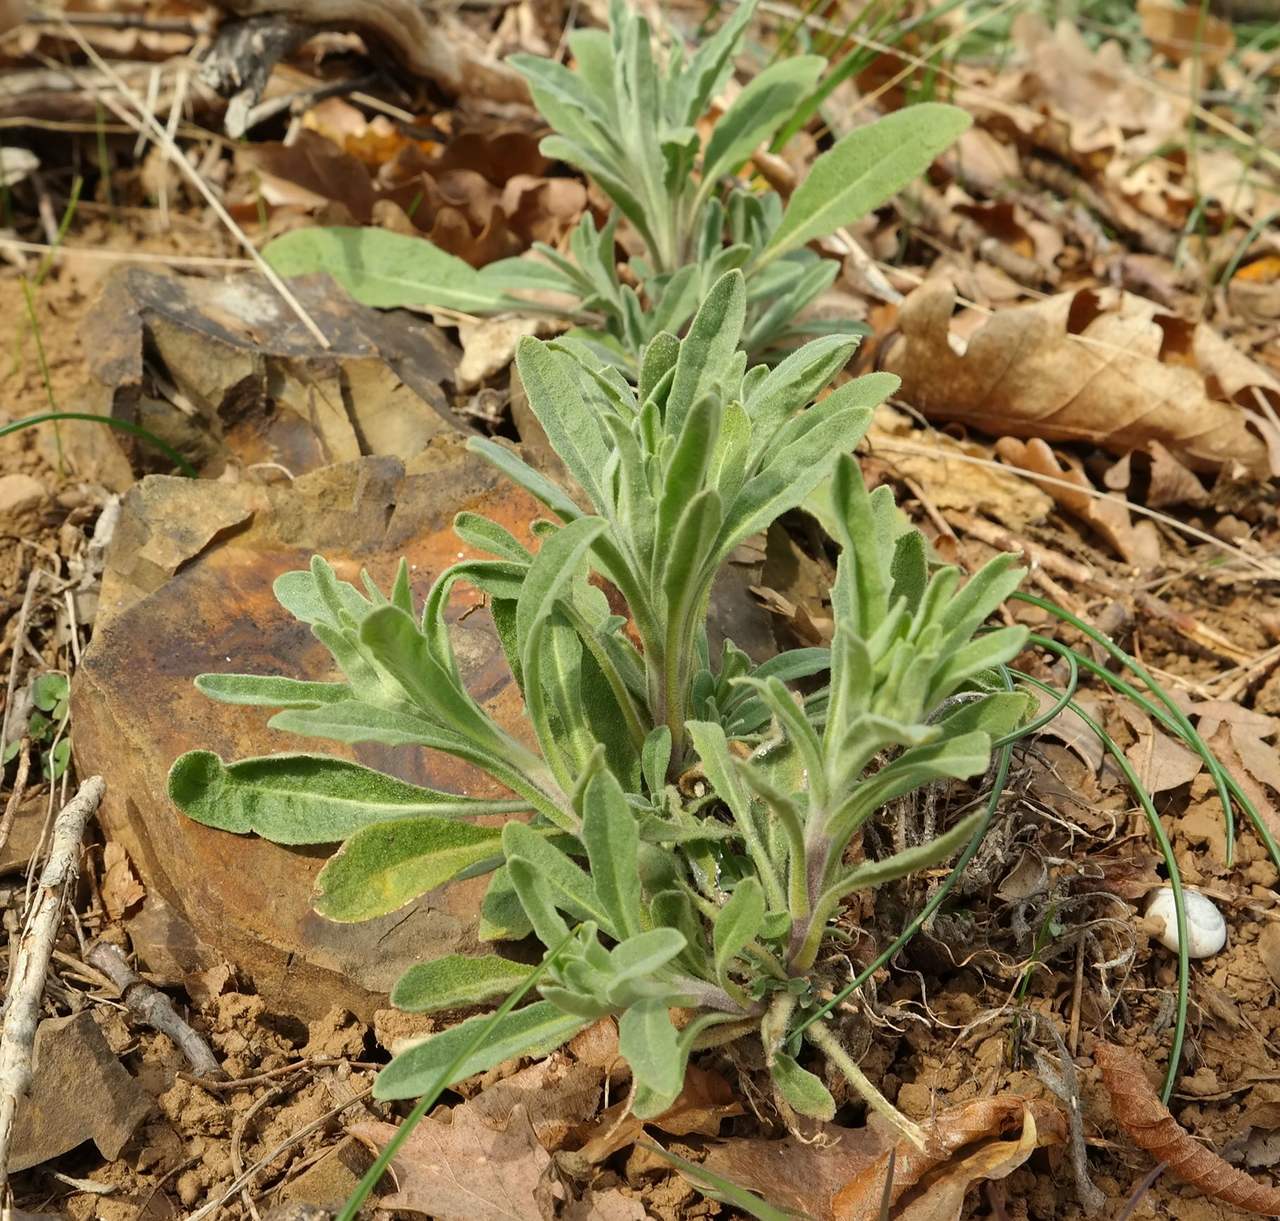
x=631, y=122
x=723, y=904
x=46, y=726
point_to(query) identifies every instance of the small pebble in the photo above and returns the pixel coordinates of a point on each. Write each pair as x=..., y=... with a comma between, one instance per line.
x=1206, y=929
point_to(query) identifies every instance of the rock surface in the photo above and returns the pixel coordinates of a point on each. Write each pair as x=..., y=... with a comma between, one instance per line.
x=187, y=590
x=223, y=371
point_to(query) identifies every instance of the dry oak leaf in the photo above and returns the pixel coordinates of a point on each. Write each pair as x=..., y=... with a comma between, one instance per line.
x=967, y=1147
x=463, y=1170
x=1138, y=544
x=841, y=1177
x=1150, y=1126
x=1094, y=365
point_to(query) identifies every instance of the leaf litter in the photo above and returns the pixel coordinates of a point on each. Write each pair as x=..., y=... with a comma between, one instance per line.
x=1063, y=95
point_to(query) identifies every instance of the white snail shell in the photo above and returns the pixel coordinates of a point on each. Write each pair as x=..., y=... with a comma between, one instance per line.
x=1206, y=928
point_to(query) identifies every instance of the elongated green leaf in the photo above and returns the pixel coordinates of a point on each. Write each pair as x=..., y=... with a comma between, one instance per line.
x=531, y=1031
x=757, y=112
x=707, y=352
x=795, y=381
x=571, y=889
x=304, y=799
x=996, y=714
x=502, y=918
x=553, y=568
x=656, y=758
x=910, y=860
x=356, y=721
x=456, y=980
x=738, y=923
x=864, y=169
x=385, y=269
x=612, y=841
x=791, y=476
x=268, y=691
x=522, y=473
x=536, y=900
x=649, y=1043
x=803, y=1092
x=686, y=472
x=485, y=534
x=642, y=956
x=381, y=868
x=555, y=397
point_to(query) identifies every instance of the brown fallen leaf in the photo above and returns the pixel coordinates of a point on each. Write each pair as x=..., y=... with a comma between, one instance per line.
x=705, y=1102
x=463, y=1170
x=967, y=1148
x=1101, y=366
x=1181, y=32
x=1160, y=762
x=1151, y=1127
x=841, y=1176
x=1167, y=481
x=1138, y=544
x=121, y=889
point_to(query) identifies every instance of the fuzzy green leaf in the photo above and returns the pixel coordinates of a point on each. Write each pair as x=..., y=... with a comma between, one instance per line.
x=571, y=889
x=385, y=269
x=803, y=1092
x=381, y=868
x=864, y=169
x=738, y=923
x=304, y=799
x=531, y=1031
x=456, y=980
x=757, y=112
x=268, y=691
x=612, y=841
x=708, y=350
x=649, y=1043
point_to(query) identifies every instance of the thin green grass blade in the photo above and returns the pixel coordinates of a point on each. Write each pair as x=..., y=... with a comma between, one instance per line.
x=136, y=430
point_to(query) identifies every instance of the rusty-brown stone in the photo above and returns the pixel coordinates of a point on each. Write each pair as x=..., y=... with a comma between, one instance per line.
x=187, y=591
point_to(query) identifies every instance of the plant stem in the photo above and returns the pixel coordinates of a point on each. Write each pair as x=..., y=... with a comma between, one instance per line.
x=824, y=1038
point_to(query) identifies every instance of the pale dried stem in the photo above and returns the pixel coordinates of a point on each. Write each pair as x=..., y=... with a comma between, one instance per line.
x=29, y=959
x=830, y=1046
x=151, y=1007
x=16, y=793
x=19, y=632
x=142, y=121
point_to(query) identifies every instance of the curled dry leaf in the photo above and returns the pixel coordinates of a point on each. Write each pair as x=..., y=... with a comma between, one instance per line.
x=1150, y=1126
x=705, y=1102
x=841, y=1176
x=1138, y=544
x=477, y=199
x=968, y=1146
x=1100, y=366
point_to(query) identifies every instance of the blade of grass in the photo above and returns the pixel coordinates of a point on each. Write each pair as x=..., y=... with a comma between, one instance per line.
x=720, y=1188
x=1170, y=717
x=1171, y=865
x=123, y=425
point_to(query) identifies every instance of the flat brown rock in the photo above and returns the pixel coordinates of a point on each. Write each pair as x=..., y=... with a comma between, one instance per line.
x=187, y=591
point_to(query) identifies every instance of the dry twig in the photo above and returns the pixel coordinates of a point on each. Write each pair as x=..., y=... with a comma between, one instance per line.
x=150, y=1006
x=29, y=961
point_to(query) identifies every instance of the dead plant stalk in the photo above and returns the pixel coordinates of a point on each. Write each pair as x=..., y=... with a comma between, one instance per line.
x=29, y=963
